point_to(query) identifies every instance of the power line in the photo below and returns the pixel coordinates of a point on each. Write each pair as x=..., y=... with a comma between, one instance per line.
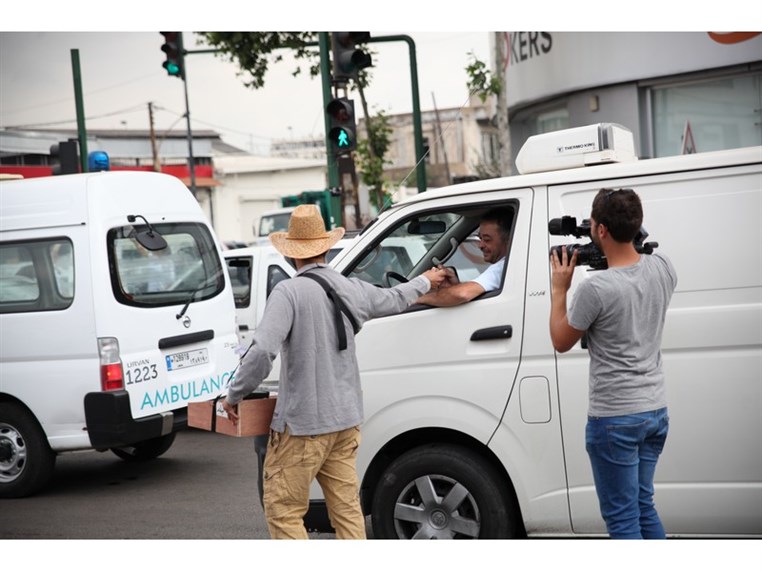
x=93, y=117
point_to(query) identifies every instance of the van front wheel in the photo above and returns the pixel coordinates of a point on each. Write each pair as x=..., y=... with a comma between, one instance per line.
x=439, y=492
x=26, y=459
x=146, y=450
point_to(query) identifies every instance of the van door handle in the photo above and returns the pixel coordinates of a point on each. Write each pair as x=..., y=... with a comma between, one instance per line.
x=494, y=333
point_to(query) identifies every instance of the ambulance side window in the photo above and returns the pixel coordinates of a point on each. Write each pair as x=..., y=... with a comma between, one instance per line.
x=36, y=275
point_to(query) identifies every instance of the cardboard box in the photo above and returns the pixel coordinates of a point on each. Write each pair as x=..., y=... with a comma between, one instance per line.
x=255, y=413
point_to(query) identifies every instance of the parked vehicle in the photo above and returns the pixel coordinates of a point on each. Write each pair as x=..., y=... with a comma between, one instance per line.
x=254, y=271
x=474, y=425
x=274, y=220
x=114, y=313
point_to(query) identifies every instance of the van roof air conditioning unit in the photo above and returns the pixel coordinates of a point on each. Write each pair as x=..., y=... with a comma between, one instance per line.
x=578, y=147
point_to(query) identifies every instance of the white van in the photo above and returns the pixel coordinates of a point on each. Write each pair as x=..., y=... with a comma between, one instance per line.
x=254, y=271
x=115, y=311
x=273, y=220
x=474, y=426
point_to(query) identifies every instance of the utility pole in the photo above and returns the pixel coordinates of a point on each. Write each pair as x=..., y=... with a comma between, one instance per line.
x=154, y=153
x=505, y=154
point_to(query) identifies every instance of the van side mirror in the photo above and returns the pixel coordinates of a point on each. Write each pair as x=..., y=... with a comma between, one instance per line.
x=149, y=239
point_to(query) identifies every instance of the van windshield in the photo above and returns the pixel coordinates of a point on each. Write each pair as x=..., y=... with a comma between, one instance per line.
x=274, y=223
x=189, y=263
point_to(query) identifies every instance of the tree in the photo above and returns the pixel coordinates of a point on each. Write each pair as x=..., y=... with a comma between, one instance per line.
x=371, y=153
x=253, y=52
x=486, y=83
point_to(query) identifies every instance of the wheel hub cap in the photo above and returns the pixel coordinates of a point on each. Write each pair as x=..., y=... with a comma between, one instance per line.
x=12, y=453
x=438, y=519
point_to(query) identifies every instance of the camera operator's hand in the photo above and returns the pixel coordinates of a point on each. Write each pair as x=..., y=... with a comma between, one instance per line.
x=563, y=270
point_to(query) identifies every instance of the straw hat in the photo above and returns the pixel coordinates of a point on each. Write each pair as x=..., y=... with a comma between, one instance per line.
x=306, y=236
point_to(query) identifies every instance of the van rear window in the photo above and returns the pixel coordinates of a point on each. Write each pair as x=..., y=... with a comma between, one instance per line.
x=188, y=268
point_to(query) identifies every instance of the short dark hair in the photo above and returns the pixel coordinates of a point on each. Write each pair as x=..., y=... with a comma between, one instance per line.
x=620, y=210
x=503, y=217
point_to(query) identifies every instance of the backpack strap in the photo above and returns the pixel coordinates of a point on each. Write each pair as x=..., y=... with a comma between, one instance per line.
x=338, y=307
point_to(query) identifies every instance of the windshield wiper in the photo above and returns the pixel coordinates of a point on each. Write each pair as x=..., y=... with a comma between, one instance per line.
x=208, y=282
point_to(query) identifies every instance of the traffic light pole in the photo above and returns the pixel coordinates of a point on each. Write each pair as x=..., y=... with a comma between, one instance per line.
x=325, y=71
x=420, y=164
x=79, y=99
x=325, y=75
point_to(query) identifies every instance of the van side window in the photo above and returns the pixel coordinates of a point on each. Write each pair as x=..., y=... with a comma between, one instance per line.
x=36, y=276
x=239, y=270
x=274, y=275
x=424, y=240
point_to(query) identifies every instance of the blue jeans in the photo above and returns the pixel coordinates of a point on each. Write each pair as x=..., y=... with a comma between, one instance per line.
x=623, y=453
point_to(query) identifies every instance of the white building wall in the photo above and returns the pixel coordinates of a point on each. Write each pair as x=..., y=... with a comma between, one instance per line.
x=252, y=185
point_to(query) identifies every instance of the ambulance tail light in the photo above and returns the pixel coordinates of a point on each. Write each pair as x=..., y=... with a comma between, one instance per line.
x=577, y=147
x=112, y=375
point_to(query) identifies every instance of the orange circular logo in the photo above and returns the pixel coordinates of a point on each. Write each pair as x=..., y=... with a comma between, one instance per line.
x=732, y=37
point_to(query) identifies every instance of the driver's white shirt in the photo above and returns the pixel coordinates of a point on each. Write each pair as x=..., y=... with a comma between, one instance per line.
x=490, y=278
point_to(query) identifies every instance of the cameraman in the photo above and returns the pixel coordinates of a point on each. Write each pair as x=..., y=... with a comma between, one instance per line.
x=622, y=311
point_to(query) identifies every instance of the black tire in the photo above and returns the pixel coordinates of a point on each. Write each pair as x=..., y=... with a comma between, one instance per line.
x=26, y=459
x=145, y=450
x=442, y=491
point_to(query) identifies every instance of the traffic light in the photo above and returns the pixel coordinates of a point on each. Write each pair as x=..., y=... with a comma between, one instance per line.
x=348, y=59
x=173, y=48
x=341, y=133
x=64, y=157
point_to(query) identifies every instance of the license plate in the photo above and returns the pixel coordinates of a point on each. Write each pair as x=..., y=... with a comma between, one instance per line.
x=187, y=359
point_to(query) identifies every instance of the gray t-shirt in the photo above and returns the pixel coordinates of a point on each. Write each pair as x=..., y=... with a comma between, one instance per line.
x=622, y=309
x=319, y=388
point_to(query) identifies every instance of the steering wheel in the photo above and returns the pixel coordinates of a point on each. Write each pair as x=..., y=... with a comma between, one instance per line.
x=392, y=274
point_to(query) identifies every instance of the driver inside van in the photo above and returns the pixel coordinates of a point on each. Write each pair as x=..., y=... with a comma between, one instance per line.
x=494, y=233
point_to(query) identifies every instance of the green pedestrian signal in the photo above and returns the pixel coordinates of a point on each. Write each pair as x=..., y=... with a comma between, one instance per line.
x=341, y=120
x=343, y=140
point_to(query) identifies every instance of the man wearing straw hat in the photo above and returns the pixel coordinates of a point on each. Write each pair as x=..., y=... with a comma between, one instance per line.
x=315, y=430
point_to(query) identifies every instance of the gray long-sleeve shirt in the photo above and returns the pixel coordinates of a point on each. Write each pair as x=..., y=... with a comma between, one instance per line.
x=319, y=388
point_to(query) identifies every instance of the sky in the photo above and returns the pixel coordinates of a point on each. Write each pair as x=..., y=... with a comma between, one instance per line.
x=122, y=72
x=121, y=60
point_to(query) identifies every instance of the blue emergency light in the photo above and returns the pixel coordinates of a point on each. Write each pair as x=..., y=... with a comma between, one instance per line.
x=98, y=161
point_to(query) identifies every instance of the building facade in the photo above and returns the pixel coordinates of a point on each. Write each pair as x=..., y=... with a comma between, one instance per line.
x=458, y=143
x=678, y=92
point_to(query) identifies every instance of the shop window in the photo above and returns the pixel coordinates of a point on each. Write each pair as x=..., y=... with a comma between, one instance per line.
x=723, y=113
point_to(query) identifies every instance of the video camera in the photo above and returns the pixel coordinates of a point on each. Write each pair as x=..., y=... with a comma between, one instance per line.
x=589, y=254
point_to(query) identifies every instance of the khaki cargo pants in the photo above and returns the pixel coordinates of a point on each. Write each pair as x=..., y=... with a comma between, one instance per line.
x=293, y=462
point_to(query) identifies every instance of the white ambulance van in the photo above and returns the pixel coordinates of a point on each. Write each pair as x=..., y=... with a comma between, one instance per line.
x=474, y=426
x=115, y=311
